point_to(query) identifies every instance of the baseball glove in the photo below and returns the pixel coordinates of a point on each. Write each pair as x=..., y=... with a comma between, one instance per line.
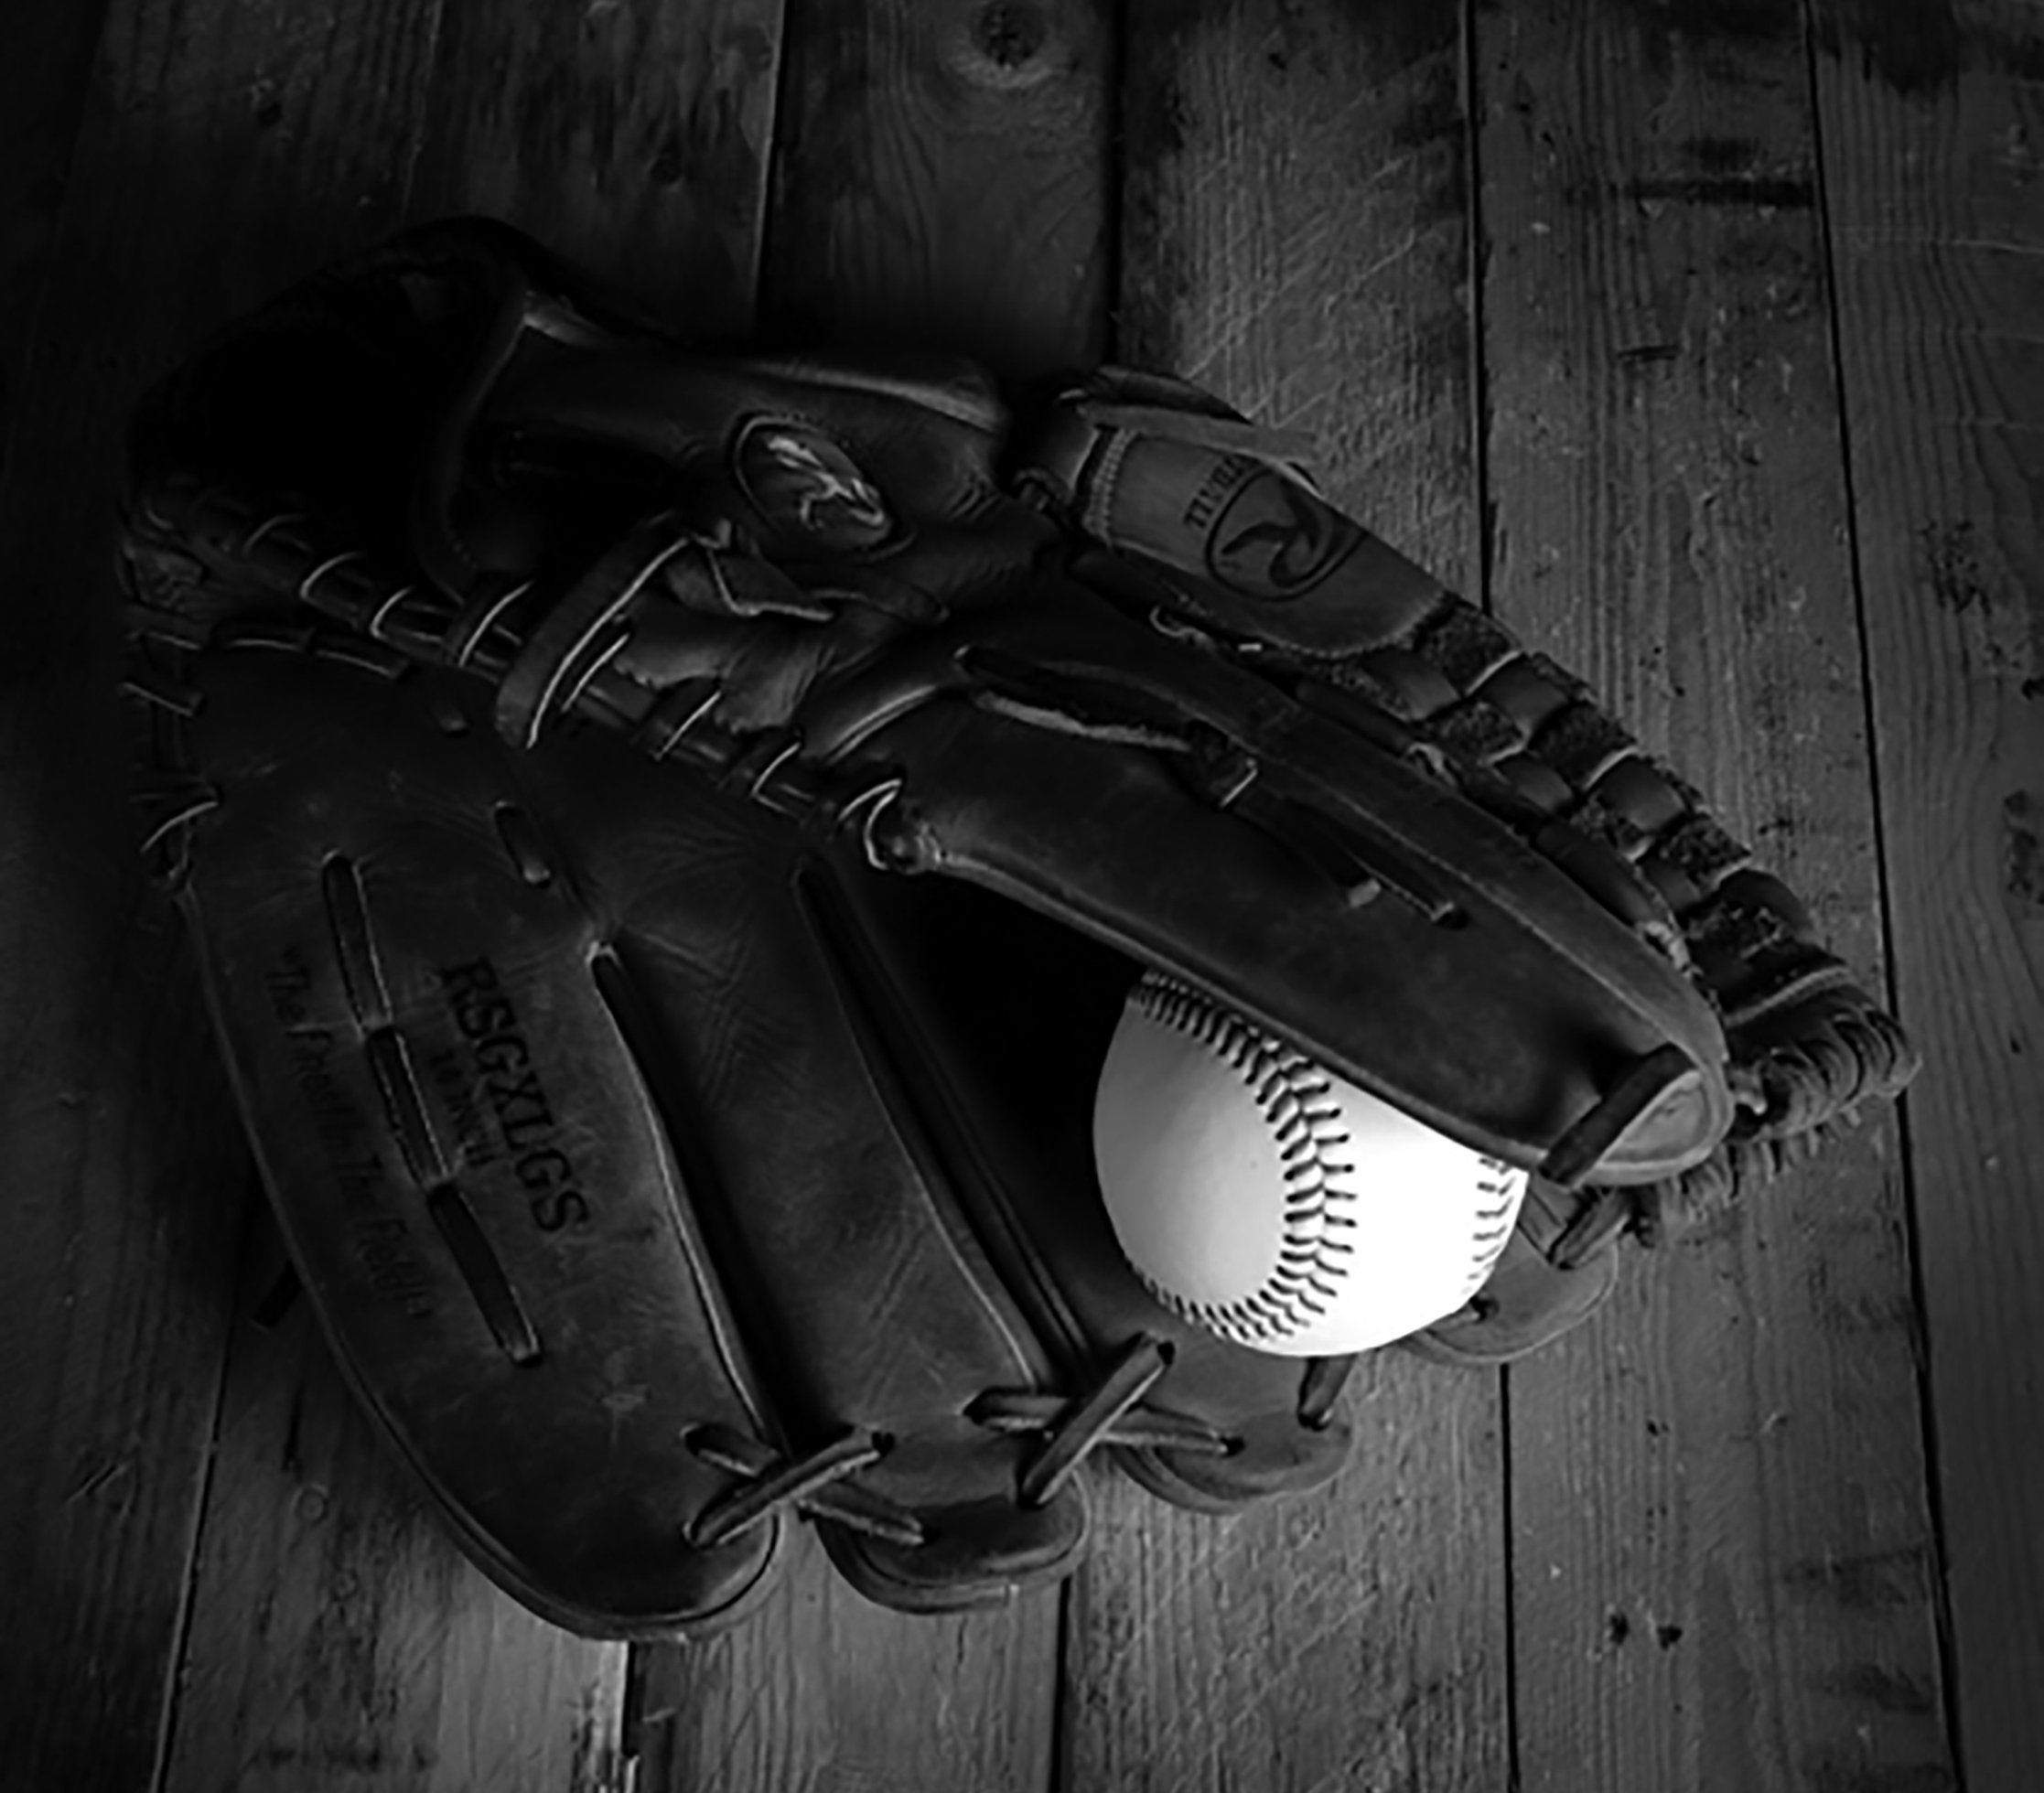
x=546, y=718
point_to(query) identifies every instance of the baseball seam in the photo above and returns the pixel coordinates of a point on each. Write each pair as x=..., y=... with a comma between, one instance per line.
x=1296, y=1098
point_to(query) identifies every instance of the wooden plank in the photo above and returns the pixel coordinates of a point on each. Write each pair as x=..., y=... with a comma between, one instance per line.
x=1724, y=1562
x=96, y=1495
x=821, y=1688
x=938, y=180
x=122, y=1208
x=630, y=134
x=338, y=1638
x=43, y=88
x=1353, y=1636
x=1295, y=235
x=1933, y=129
x=223, y=142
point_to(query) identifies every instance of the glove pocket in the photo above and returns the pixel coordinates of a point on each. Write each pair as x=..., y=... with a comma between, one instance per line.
x=875, y=1324
x=1348, y=902
x=1000, y=1020
x=488, y=1223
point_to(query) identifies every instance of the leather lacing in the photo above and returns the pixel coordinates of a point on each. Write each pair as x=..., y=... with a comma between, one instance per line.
x=486, y=631
x=489, y=631
x=819, y=1483
x=1071, y=1427
x=1460, y=698
x=561, y=661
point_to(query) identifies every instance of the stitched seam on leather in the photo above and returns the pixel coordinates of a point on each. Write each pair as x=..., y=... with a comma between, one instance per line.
x=1293, y=1097
x=1285, y=1087
x=1291, y=1093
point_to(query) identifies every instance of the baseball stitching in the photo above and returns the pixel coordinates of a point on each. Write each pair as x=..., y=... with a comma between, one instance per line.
x=1296, y=1098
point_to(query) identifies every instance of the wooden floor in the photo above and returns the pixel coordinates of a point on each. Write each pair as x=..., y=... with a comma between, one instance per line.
x=1705, y=338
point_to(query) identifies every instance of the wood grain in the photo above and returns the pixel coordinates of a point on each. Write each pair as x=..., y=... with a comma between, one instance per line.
x=96, y=1489
x=1293, y=235
x=337, y=1639
x=939, y=179
x=630, y=134
x=43, y=91
x=212, y=157
x=123, y=1207
x=1723, y=1559
x=822, y=1691
x=1295, y=231
x=1349, y=1637
x=1934, y=171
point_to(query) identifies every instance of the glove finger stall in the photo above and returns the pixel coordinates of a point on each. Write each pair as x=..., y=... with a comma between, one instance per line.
x=1002, y=1020
x=404, y=983
x=856, y=1283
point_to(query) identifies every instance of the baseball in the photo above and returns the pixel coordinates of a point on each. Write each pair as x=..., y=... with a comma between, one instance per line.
x=1269, y=1201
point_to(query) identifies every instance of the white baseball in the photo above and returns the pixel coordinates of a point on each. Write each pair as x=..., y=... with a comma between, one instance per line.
x=1265, y=1199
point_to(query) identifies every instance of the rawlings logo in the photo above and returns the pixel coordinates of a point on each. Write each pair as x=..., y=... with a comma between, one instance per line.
x=804, y=484
x=1273, y=539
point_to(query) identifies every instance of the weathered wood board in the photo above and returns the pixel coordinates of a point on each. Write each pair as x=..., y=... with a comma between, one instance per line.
x=940, y=178
x=1723, y=1553
x=1933, y=131
x=43, y=94
x=632, y=137
x=1700, y=340
x=126, y=1175
x=1295, y=234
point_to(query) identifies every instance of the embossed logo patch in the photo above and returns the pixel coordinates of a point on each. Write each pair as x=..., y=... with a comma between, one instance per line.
x=1275, y=541
x=804, y=484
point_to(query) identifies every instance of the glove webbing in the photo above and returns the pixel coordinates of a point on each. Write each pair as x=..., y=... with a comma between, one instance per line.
x=1523, y=738
x=1459, y=695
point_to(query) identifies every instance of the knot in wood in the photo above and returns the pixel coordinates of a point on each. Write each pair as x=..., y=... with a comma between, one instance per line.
x=1003, y=44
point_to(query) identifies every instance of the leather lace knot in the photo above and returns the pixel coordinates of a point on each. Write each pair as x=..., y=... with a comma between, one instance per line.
x=1111, y=1413
x=821, y=1484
